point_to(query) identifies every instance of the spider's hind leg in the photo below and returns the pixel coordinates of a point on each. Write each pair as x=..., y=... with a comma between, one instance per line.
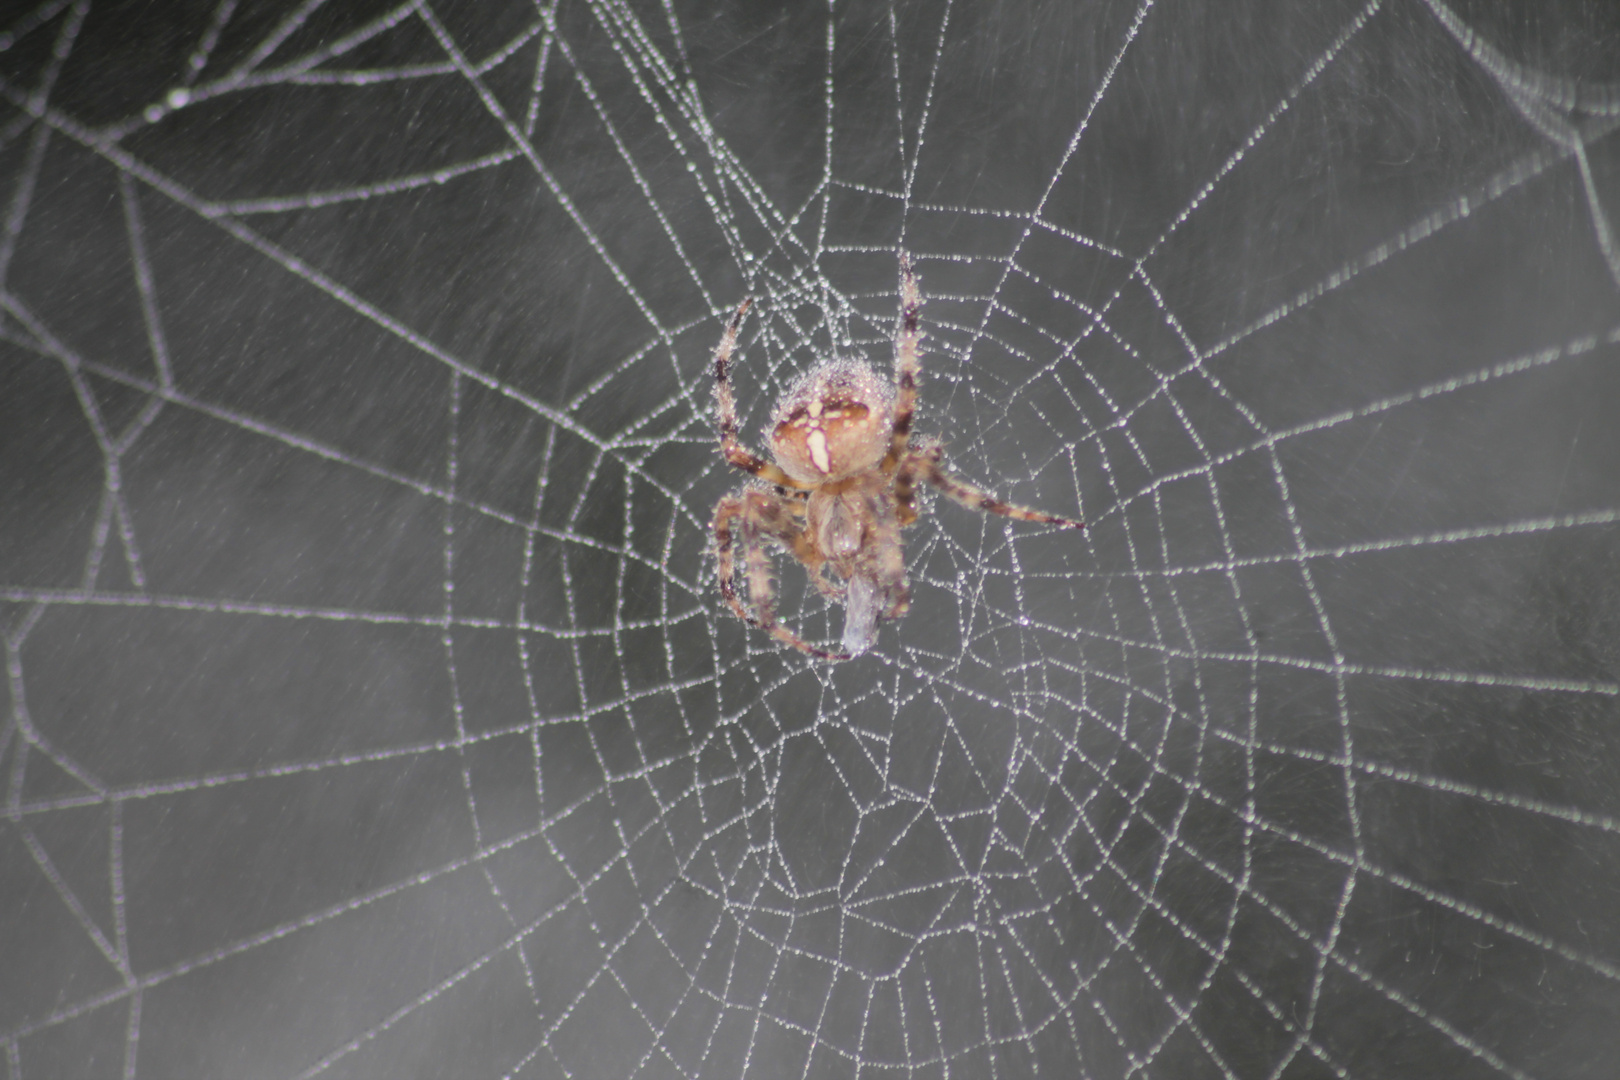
x=907, y=364
x=731, y=445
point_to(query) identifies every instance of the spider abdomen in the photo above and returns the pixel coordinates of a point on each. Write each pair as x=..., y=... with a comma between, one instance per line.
x=834, y=422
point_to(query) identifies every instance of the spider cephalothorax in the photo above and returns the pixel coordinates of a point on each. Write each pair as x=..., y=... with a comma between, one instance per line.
x=840, y=487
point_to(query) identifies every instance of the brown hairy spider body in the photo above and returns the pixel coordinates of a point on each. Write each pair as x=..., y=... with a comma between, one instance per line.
x=839, y=488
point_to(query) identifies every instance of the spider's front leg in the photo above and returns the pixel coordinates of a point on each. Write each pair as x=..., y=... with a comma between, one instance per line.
x=924, y=463
x=759, y=516
x=828, y=585
x=726, y=511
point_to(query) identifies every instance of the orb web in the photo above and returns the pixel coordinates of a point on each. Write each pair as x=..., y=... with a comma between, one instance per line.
x=369, y=706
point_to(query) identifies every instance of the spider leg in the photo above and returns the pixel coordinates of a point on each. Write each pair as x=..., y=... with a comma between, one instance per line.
x=907, y=366
x=888, y=566
x=730, y=445
x=762, y=517
x=727, y=510
x=925, y=463
x=905, y=489
x=914, y=467
x=828, y=585
x=762, y=594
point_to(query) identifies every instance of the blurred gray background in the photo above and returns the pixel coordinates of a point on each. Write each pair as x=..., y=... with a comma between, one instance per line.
x=369, y=709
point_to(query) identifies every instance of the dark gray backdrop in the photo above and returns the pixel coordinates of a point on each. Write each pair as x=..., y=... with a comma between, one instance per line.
x=370, y=711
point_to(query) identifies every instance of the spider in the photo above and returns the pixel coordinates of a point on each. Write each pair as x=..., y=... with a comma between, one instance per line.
x=839, y=488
